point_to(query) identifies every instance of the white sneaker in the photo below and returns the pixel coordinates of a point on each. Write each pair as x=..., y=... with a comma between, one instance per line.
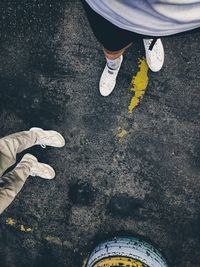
x=108, y=79
x=38, y=169
x=48, y=138
x=154, y=57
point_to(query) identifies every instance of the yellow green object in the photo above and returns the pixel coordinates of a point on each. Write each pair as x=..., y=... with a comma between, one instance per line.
x=119, y=261
x=139, y=84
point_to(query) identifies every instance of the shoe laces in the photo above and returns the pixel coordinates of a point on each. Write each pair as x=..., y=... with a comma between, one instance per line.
x=111, y=71
x=148, y=42
x=43, y=145
x=39, y=142
x=155, y=49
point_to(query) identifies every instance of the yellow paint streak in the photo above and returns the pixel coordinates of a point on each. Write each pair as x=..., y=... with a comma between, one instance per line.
x=57, y=241
x=10, y=221
x=122, y=133
x=22, y=228
x=54, y=239
x=119, y=261
x=139, y=84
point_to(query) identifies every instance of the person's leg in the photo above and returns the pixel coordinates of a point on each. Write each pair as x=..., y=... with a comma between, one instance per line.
x=114, y=41
x=112, y=55
x=13, y=144
x=112, y=38
x=17, y=142
x=12, y=182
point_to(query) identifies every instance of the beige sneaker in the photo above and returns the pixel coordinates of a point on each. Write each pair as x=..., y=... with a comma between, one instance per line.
x=38, y=169
x=48, y=138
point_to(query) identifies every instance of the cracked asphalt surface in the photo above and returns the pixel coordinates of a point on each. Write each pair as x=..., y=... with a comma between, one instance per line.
x=146, y=183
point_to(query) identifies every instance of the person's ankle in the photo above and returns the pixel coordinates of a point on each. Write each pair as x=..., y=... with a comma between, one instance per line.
x=113, y=64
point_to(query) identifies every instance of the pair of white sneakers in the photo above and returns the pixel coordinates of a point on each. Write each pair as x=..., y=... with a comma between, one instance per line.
x=154, y=58
x=44, y=138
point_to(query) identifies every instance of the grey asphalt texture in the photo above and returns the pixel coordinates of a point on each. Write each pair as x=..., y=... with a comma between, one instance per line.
x=146, y=183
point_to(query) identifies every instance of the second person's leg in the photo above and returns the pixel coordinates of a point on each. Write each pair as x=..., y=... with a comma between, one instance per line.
x=12, y=182
x=17, y=142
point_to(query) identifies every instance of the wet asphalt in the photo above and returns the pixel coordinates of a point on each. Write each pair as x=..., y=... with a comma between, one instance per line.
x=146, y=183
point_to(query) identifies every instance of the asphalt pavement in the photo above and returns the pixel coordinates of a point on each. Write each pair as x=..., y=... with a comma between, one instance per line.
x=119, y=172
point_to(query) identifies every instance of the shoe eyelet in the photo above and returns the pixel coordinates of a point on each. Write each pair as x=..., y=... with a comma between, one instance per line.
x=43, y=145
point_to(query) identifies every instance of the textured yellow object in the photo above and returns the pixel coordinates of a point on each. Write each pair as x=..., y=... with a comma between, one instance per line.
x=119, y=261
x=122, y=134
x=22, y=228
x=139, y=83
x=10, y=221
x=16, y=225
x=29, y=230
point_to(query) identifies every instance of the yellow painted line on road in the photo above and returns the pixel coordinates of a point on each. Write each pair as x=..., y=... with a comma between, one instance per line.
x=122, y=133
x=58, y=241
x=119, y=261
x=139, y=84
x=25, y=229
x=54, y=240
x=12, y=222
